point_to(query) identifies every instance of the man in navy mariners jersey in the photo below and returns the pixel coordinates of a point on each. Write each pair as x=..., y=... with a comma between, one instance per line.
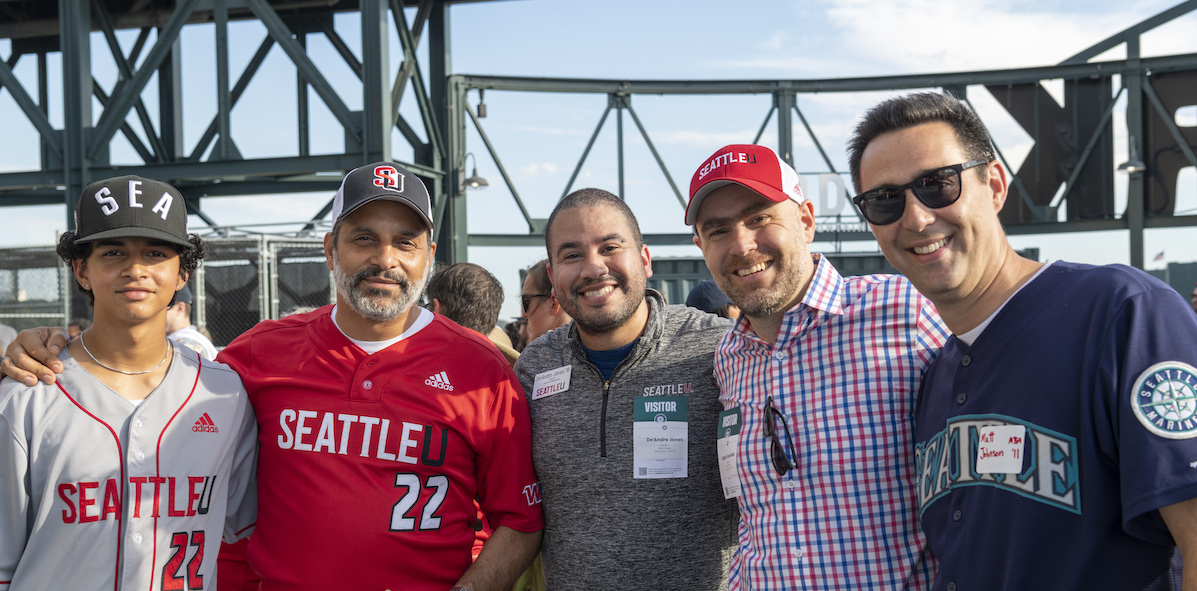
x=1056, y=438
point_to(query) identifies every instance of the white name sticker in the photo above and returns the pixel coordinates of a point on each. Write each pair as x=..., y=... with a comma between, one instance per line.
x=1000, y=449
x=554, y=381
x=727, y=440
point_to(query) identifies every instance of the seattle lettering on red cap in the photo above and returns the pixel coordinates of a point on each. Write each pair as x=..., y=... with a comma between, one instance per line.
x=723, y=160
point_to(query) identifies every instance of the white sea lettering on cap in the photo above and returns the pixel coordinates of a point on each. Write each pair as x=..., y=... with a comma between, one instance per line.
x=107, y=203
x=388, y=178
x=133, y=193
x=163, y=205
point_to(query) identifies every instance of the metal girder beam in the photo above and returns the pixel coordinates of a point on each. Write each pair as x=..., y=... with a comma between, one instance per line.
x=586, y=151
x=228, y=171
x=131, y=90
x=440, y=59
x=75, y=27
x=502, y=170
x=377, y=121
x=126, y=73
x=242, y=83
x=653, y=149
x=126, y=129
x=342, y=48
x=785, y=103
x=1136, y=188
x=1133, y=31
x=225, y=148
x=282, y=35
x=40, y=122
x=914, y=81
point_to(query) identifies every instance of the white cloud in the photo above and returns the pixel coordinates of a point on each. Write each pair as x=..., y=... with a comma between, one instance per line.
x=537, y=169
x=775, y=42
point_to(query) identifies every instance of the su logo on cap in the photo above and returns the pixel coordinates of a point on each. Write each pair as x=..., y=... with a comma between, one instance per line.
x=109, y=206
x=388, y=178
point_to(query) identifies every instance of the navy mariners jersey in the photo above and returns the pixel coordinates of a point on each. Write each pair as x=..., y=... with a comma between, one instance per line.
x=1090, y=373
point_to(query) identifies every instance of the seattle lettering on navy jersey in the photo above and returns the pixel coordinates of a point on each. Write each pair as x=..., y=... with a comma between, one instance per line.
x=949, y=460
x=329, y=432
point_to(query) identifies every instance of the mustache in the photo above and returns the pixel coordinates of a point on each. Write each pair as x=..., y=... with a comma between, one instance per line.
x=620, y=282
x=375, y=271
x=741, y=262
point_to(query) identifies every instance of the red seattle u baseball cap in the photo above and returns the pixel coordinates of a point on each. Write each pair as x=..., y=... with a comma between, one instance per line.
x=755, y=167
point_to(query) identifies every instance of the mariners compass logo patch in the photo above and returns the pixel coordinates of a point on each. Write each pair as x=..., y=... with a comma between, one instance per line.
x=1165, y=399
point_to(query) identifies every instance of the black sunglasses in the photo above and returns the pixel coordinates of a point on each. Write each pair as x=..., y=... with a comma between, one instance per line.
x=935, y=188
x=781, y=462
x=526, y=300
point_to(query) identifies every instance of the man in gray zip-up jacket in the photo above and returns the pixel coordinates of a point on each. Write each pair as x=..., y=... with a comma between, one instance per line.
x=614, y=520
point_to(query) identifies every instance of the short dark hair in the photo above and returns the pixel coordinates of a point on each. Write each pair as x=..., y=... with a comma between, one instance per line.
x=591, y=197
x=915, y=109
x=540, y=277
x=469, y=295
x=189, y=258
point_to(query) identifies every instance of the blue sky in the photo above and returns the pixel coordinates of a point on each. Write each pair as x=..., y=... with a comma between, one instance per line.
x=540, y=137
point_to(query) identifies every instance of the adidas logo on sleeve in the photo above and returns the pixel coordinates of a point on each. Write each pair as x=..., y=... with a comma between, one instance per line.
x=439, y=380
x=205, y=425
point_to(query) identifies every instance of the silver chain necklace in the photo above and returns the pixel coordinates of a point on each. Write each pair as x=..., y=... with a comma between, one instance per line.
x=169, y=348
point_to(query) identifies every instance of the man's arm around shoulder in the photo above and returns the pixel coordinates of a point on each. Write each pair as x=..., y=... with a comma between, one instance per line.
x=1181, y=520
x=504, y=557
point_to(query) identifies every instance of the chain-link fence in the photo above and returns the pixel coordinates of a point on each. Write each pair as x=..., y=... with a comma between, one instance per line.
x=34, y=287
x=241, y=282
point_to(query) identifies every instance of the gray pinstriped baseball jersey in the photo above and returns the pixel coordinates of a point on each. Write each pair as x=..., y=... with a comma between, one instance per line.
x=98, y=494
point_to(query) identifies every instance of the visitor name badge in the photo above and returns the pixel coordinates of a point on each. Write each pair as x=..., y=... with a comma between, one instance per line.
x=660, y=433
x=999, y=449
x=551, y=382
x=727, y=442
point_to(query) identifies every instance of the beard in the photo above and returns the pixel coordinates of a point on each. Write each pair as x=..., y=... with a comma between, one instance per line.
x=377, y=304
x=610, y=317
x=764, y=300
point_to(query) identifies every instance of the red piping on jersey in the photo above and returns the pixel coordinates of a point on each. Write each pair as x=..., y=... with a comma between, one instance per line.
x=116, y=583
x=158, y=462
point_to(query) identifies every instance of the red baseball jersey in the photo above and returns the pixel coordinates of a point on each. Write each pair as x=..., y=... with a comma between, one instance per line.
x=369, y=464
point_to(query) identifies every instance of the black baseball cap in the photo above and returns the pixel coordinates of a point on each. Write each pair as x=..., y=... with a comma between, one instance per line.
x=382, y=180
x=131, y=207
x=707, y=296
x=183, y=295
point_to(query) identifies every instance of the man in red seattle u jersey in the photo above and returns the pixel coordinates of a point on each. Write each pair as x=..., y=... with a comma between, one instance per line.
x=380, y=422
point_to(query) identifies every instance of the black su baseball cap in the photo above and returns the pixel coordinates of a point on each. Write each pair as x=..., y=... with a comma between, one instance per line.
x=382, y=180
x=131, y=207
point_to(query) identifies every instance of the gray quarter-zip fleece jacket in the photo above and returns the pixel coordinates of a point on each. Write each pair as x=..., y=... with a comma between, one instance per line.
x=605, y=529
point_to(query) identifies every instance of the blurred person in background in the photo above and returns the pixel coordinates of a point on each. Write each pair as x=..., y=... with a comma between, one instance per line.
x=470, y=296
x=180, y=329
x=707, y=296
x=77, y=326
x=538, y=303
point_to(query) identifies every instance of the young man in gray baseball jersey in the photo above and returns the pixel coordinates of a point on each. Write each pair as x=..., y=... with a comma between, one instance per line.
x=129, y=470
x=624, y=408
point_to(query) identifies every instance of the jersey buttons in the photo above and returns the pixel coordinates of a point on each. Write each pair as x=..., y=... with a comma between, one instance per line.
x=957, y=515
x=137, y=538
x=367, y=384
x=141, y=456
x=961, y=398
